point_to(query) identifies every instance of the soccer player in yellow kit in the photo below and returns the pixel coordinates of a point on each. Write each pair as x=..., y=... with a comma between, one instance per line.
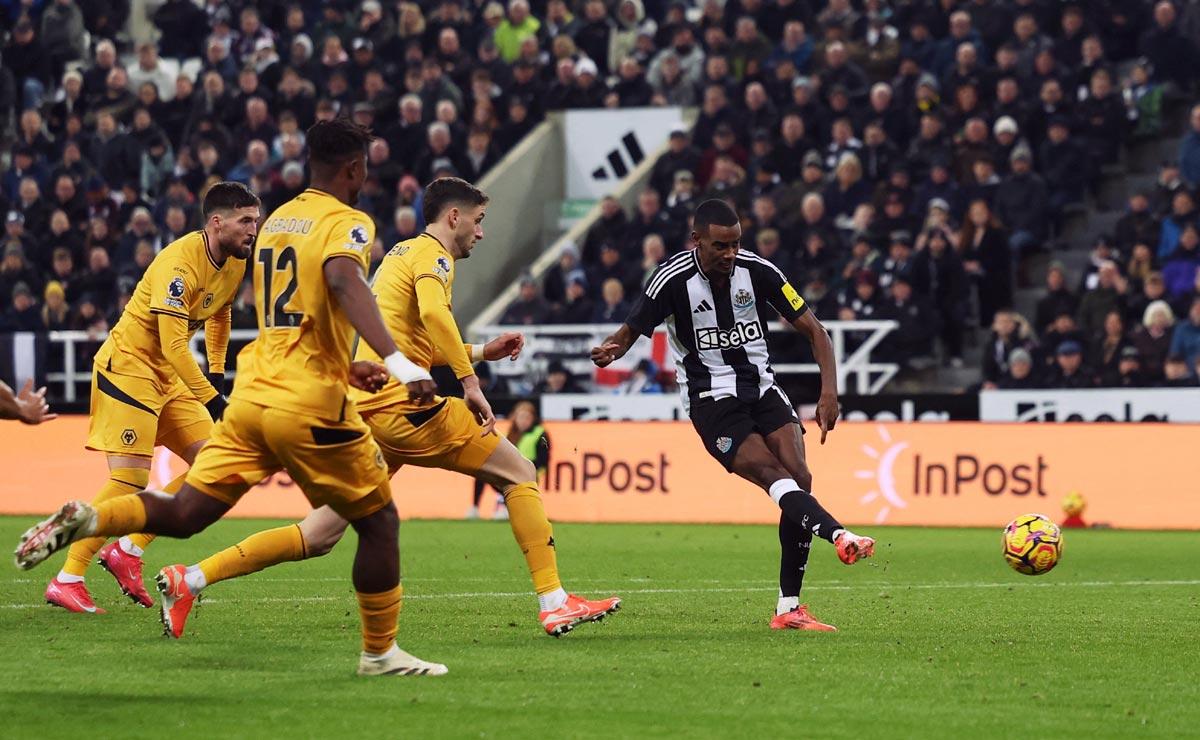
x=291, y=407
x=147, y=389
x=413, y=286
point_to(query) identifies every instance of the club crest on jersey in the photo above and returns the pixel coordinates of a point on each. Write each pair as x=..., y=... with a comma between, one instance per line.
x=175, y=291
x=742, y=332
x=724, y=444
x=743, y=299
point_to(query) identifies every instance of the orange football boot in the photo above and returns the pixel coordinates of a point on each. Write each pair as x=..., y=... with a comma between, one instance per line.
x=800, y=619
x=852, y=547
x=177, y=599
x=575, y=612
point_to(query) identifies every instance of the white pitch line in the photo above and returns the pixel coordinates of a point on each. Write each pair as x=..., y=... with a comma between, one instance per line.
x=737, y=589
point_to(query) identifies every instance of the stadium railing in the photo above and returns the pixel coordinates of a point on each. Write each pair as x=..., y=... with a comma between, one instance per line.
x=568, y=343
x=74, y=373
x=853, y=344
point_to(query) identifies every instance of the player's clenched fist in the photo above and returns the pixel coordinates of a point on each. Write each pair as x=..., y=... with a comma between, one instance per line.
x=605, y=354
x=368, y=376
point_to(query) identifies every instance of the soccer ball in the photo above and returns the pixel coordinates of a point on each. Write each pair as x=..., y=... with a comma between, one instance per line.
x=1032, y=544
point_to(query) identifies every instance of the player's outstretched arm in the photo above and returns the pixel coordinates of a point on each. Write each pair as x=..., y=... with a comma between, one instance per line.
x=348, y=284
x=614, y=347
x=827, y=405
x=509, y=344
x=29, y=406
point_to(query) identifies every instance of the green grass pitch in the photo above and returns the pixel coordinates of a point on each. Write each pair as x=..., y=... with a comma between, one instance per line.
x=938, y=638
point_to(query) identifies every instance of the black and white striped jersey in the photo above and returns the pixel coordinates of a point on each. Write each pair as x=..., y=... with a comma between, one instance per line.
x=718, y=338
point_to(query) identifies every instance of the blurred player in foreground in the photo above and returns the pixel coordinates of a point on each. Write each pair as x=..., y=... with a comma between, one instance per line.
x=413, y=286
x=717, y=300
x=291, y=407
x=28, y=406
x=147, y=389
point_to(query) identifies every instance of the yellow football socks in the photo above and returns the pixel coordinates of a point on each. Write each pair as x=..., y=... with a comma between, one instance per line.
x=534, y=535
x=380, y=614
x=142, y=540
x=120, y=516
x=258, y=551
x=121, y=482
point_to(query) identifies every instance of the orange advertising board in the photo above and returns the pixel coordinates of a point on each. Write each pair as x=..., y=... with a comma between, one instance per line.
x=952, y=474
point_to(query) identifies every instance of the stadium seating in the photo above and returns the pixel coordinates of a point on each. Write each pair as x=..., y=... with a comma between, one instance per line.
x=977, y=174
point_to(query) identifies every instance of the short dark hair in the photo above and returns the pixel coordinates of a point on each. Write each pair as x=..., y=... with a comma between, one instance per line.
x=228, y=196
x=333, y=143
x=713, y=212
x=447, y=192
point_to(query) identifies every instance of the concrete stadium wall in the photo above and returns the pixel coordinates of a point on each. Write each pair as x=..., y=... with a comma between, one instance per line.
x=626, y=192
x=528, y=177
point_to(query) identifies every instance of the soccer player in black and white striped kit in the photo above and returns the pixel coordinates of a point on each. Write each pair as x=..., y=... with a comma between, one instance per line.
x=716, y=301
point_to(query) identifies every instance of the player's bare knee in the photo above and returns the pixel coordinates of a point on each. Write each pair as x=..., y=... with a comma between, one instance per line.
x=321, y=533
x=803, y=479
x=524, y=471
x=321, y=543
x=772, y=473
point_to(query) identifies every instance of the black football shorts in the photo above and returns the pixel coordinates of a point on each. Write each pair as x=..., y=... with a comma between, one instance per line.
x=725, y=423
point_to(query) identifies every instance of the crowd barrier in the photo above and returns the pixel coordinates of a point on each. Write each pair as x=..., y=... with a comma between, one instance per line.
x=950, y=474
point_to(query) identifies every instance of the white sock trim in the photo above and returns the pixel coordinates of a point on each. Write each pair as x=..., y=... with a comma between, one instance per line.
x=194, y=578
x=552, y=600
x=786, y=604
x=65, y=577
x=780, y=487
x=129, y=548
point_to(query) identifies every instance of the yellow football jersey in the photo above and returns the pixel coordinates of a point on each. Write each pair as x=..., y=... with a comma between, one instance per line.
x=182, y=281
x=395, y=288
x=300, y=361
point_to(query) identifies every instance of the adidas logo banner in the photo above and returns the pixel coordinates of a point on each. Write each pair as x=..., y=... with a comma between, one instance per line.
x=603, y=147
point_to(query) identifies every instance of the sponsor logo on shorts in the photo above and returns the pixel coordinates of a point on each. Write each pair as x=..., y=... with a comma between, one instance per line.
x=743, y=299
x=175, y=291
x=743, y=332
x=724, y=444
x=128, y=437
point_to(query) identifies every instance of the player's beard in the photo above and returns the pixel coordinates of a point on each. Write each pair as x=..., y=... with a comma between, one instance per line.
x=238, y=249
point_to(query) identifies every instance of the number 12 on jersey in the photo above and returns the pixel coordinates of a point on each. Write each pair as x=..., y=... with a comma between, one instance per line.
x=278, y=273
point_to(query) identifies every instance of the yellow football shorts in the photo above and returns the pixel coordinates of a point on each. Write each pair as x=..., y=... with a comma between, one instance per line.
x=336, y=463
x=446, y=436
x=129, y=416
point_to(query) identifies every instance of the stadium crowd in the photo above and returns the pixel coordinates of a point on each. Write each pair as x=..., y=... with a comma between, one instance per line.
x=902, y=160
